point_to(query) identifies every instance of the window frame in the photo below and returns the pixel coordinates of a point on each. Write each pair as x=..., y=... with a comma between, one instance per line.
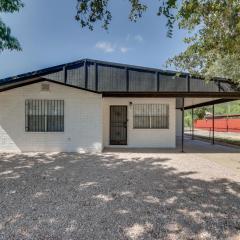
x=45, y=108
x=149, y=109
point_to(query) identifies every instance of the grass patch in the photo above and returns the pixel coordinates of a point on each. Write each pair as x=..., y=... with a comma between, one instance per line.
x=219, y=139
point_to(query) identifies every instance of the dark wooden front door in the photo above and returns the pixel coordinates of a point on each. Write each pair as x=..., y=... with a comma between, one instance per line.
x=118, y=125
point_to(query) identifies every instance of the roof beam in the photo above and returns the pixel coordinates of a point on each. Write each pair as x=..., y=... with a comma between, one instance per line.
x=228, y=95
x=218, y=101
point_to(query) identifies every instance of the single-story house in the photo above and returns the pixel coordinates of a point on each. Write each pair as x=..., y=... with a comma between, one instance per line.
x=88, y=105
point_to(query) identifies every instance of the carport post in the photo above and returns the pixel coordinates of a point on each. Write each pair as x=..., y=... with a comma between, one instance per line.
x=213, y=124
x=192, y=123
x=182, y=125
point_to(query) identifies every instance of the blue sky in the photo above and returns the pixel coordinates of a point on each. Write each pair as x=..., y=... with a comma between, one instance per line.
x=49, y=35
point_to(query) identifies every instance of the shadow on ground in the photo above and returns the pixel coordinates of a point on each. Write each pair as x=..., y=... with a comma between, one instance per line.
x=84, y=196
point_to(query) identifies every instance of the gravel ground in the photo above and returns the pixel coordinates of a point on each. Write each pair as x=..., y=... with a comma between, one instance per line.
x=118, y=196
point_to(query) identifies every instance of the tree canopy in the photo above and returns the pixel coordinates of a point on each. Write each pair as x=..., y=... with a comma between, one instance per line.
x=91, y=11
x=213, y=45
x=7, y=41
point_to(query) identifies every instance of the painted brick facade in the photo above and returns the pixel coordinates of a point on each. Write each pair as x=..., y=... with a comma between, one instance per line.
x=83, y=120
x=86, y=121
x=152, y=138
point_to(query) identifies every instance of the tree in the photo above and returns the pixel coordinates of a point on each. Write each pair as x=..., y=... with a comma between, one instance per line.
x=200, y=113
x=213, y=27
x=7, y=41
x=91, y=11
x=213, y=47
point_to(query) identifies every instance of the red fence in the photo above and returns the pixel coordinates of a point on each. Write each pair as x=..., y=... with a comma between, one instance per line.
x=221, y=125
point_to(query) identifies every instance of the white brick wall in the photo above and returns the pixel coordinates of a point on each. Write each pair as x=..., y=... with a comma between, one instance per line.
x=153, y=138
x=83, y=120
x=86, y=122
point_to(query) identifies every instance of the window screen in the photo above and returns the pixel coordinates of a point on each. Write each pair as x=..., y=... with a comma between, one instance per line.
x=155, y=116
x=44, y=115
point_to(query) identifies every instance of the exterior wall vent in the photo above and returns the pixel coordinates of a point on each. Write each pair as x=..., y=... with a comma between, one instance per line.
x=45, y=87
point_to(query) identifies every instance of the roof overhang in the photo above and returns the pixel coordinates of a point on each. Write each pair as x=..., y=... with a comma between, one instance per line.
x=25, y=82
x=122, y=80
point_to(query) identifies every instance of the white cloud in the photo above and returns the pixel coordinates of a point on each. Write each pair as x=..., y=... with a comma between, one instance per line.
x=107, y=47
x=138, y=38
x=124, y=49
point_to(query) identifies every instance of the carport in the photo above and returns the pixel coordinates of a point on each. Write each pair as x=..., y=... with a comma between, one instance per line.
x=197, y=102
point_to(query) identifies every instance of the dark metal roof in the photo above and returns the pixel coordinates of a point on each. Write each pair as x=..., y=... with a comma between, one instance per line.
x=37, y=73
x=114, y=79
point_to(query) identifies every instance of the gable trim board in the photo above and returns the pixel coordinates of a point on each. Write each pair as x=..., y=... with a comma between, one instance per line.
x=21, y=83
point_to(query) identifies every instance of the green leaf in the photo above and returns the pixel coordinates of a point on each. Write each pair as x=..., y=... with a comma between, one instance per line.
x=7, y=41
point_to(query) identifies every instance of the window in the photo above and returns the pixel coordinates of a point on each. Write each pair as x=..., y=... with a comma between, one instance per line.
x=155, y=116
x=44, y=115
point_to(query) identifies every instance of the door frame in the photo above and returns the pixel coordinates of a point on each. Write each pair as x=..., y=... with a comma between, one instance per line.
x=126, y=125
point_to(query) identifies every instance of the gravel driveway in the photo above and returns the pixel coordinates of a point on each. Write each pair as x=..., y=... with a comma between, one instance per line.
x=118, y=196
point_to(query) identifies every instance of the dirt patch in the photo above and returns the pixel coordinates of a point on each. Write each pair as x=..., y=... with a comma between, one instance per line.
x=118, y=196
